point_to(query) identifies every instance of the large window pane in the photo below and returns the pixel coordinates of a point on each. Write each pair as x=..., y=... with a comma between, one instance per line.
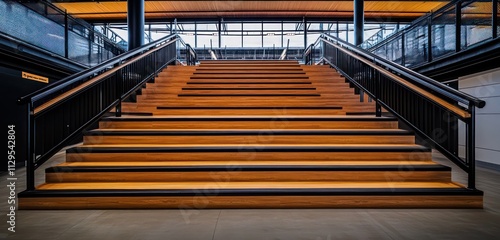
x=231, y=40
x=416, y=46
x=294, y=39
x=252, y=40
x=443, y=33
x=498, y=18
x=272, y=39
x=476, y=23
x=231, y=34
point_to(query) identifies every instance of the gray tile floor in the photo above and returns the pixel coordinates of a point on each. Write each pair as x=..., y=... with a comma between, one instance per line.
x=315, y=224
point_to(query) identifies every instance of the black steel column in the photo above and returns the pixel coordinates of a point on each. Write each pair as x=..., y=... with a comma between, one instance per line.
x=305, y=34
x=219, y=33
x=495, y=18
x=458, y=26
x=135, y=23
x=359, y=20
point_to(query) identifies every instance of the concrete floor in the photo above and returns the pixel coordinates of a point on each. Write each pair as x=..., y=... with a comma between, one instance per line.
x=315, y=224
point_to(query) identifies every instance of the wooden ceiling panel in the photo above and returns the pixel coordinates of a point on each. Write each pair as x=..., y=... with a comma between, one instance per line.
x=278, y=8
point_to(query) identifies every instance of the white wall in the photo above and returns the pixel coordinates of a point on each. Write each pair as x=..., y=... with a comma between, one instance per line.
x=486, y=86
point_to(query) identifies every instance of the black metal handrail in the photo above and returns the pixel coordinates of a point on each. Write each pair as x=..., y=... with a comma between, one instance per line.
x=432, y=109
x=414, y=76
x=190, y=54
x=59, y=112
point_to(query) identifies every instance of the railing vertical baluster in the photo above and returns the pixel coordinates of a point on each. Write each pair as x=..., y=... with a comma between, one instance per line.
x=378, y=107
x=471, y=147
x=118, y=86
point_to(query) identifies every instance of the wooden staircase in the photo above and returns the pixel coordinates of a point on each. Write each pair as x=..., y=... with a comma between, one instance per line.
x=249, y=134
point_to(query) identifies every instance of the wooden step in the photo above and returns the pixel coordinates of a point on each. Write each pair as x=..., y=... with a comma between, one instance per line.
x=249, y=173
x=235, y=136
x=404, y=165
x=250, y=76
x=242, y=195
x=249, y=72
x=247, y=81
x=291, y=152
x=250, y=122
x=292, y=94
x=251, y=68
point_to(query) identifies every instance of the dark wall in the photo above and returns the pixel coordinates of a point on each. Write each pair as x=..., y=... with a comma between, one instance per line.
x=13, y=86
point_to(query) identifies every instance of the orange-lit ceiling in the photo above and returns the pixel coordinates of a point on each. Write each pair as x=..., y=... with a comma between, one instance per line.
x=116, y=10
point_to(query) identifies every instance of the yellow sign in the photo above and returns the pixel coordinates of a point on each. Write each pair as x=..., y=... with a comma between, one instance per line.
x=35, y=77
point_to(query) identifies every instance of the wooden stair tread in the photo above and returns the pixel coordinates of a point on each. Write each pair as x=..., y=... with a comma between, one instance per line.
x=249, y=163
x=152, y=132
x=242, y=185
x=249, y=107
x=255, y=117
x=270, y=147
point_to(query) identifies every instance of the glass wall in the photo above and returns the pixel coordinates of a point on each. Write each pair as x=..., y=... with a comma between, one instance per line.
x=475, y=26
x=43, y=25
x=253, y=34
x=476, y=22
x=443, y=33
x=416, y=45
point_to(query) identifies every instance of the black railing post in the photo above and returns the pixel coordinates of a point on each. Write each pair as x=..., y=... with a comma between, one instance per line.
x=378, y=109
x=495, y=18
x=188, y=55
x=471, y=148
x=311, y=55
x=119, y=90
x=30, y=149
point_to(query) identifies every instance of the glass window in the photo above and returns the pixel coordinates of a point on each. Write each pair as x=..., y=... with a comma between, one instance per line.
x=231, y=34
x=254, y=40
x=231, y=40
x=290, y=26
x=476, y=23
x=272, y=39
x=208, y=40
x=498, y=18
x=294, y=39
x=416, y=45
x=443, y=33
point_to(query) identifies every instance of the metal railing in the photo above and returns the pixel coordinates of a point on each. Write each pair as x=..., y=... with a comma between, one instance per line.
x=455, y=27
x=59, y=112
x=186, y=54
x=433, y=110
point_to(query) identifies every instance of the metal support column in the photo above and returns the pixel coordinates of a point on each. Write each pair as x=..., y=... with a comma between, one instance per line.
x=495, y=18
x=135, y=23
x=219, y=33
x=359, y=20
x=195, y=34
x=305, y=33
x=66, y=34
x=458, y=26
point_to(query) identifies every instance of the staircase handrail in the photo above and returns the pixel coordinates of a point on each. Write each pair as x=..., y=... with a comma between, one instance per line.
x=414, y=76
x=59, y=112
x=432, y=109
